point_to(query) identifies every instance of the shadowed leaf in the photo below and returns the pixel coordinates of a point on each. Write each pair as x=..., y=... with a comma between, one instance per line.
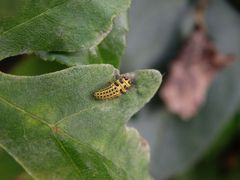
x=109, y=51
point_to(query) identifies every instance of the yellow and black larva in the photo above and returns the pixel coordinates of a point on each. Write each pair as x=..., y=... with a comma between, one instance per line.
x=115, y=89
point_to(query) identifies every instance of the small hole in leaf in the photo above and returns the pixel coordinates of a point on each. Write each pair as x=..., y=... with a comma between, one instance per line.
x=29, y=65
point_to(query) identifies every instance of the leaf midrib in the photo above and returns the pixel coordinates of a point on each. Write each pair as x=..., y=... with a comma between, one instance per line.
x=67, y=155
x=14, y=106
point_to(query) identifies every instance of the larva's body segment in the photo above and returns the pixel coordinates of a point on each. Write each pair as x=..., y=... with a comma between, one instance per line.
x=115, y=89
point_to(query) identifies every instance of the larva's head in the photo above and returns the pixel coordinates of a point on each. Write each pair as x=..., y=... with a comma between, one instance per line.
x=127, y=81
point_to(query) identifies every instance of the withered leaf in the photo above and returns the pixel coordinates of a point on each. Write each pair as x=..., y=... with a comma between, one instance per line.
x=191, y=73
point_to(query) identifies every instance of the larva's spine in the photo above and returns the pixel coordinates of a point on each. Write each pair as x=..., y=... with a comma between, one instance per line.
x=115, y=89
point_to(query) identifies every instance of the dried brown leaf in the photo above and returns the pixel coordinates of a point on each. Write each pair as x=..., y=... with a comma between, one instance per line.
x=191, y=74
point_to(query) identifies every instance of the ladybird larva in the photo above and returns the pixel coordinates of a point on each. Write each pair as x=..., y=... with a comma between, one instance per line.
x=116, y=89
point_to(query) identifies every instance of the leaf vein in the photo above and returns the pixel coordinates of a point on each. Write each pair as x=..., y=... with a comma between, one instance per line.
x=67, y=155
x=93, y=149
x=74, y=114
x=14, y=106
x=35, y=17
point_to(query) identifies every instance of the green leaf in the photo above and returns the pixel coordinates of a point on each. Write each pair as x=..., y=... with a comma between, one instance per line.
x=52, y=125
x=9, y=168
x=57, y=25
x=109, y=51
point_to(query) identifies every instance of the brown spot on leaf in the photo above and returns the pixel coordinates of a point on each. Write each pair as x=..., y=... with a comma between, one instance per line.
x=144, y=144
x=22, y=176
x=56, y=129
x=191, y=74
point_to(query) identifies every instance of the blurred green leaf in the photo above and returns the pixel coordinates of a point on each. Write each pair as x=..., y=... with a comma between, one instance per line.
x=33, y=65
x=220, y=24
x=109, y=51
x=222, y=160
x=52, y=125
x=152, y=32
x=176, y=145
x=58, y=25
